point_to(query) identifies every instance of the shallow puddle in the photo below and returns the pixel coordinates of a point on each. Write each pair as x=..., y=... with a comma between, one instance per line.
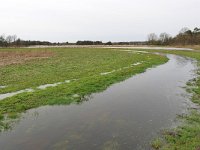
x=2, y=87
x=3, y=96
x=126, y=116
x=41, y=87
x=148, y=47
x=132, y=65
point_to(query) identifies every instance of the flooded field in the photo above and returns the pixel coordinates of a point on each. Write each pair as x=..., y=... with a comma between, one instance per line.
x=128, y=115
x=118, y=47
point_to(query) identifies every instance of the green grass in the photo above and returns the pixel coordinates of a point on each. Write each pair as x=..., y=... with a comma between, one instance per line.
x=84, y=64
x=12, y=115
x=187, y=135
x=65, y=64
x=1, y=117
x=157, y=143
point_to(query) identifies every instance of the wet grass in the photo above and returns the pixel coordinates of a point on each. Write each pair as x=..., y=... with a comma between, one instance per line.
x=12, y=115
x=1, y=117
x=7, y=120
x=65, y=64
x=187, y=135
x=157, y=143
x=83, y=64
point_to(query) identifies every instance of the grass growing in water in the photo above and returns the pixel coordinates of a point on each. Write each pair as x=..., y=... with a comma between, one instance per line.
x=187, y=135
x=157, y=143
x=83, y=64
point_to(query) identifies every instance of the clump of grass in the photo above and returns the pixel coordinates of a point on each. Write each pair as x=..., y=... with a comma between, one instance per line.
x=157, y=144
x=111, y=145
x=187, y=136
x=7, y=120
x=1, y=117
x=13, y=115
x=4, y=126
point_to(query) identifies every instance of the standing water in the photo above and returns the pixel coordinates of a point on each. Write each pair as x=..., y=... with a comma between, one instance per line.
x=126, y=116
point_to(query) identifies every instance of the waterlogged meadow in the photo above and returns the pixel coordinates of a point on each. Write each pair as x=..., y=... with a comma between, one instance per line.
x=31, y=78
x=63, y=75
x=187, y=135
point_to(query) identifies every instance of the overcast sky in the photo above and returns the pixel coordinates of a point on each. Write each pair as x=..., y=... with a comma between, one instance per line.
x=115, y=20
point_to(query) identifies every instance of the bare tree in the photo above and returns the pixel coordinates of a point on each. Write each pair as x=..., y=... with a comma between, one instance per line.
x=184, y=30
x=164, y=38
x=152, y=38
x=2, y=38
x=14, y=37
x=9, y=39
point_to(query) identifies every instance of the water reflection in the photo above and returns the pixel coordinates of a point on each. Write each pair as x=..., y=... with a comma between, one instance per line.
x=125, y=116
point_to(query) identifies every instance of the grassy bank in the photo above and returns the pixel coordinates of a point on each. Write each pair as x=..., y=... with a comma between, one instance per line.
x=186, y=136
x=84, y=65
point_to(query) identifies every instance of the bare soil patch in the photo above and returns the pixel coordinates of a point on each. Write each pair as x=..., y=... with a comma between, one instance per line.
x=9, y=58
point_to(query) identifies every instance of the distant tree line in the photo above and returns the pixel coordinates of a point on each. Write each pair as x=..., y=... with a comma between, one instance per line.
x=109, y=43
x=131, y=43
x=93, y=43
x=185, y=37
x=89, y=43
x=14, y=41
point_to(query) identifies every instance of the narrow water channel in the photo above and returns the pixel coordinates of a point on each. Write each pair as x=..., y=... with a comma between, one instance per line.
x=126, y=116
